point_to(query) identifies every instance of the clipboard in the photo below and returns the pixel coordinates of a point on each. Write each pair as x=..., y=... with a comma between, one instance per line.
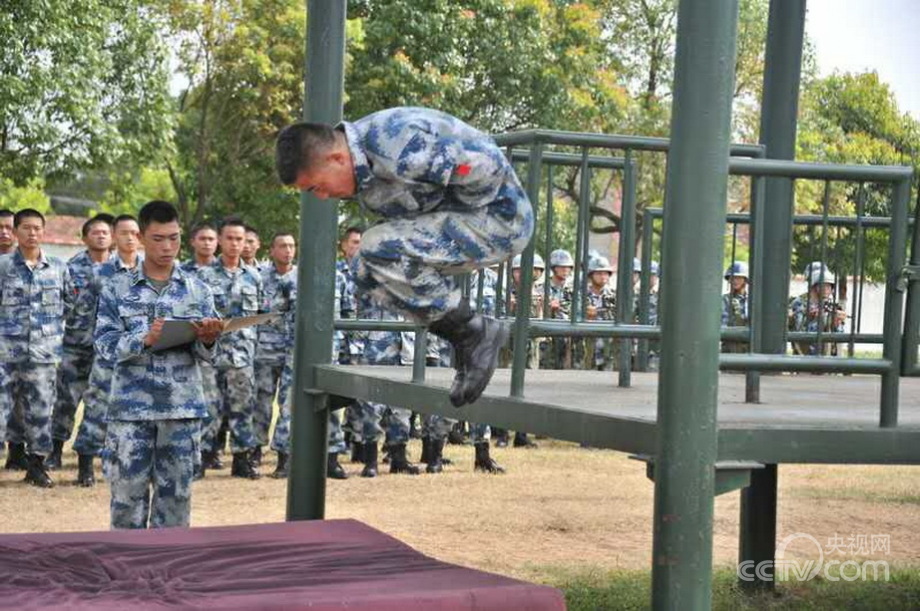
x=179, y=332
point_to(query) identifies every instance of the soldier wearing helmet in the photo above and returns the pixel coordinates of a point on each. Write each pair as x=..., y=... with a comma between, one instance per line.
x=816, y=309
x=735, y=304
x=600, y=299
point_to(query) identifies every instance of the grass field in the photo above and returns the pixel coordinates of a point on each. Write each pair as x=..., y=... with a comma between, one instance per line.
x=578, y=519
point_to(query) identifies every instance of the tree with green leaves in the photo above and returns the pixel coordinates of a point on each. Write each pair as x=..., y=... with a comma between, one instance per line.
x=83, y=84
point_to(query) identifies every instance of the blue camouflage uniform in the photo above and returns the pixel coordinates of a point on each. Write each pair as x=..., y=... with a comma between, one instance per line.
x=275, y=343
x=33, y=305
x=90, y=440
x=380, y=348
x=208, y=377
x=598, y=353
x=281, y=439
x=77, y=361
x=156, y=406
x=237, y=292
x=452, y=204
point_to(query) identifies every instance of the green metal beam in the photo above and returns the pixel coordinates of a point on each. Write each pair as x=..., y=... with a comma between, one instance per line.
x=580, y=426
x=306, y=498
x=697, y=182
x=611, y=141
x=791, y=444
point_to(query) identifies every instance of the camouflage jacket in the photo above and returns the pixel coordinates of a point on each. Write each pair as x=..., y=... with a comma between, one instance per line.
x=147, y=385
x=604, y=302
x=415, y=160
x=380, y=347
x=351, y=345
x=735, y=312
x=279, y=294
x=236, y=293
x=80, y=324
x=34, y=303
x=802, y=319
x=564, y=294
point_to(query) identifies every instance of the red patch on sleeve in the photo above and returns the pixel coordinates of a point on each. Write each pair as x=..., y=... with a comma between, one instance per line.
x=463, y=170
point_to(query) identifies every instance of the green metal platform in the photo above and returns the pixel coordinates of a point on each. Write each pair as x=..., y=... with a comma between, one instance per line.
x=802, y=418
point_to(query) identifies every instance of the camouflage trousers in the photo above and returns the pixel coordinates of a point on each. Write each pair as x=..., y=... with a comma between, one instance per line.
x=211, y=424
x=409, y=265
x=235, y=388
x=29, y=389
x=373, y=420
x=267, y=381
x=90, y=439
x=155, y=459
x=437, y=428
x=281, y=438
x=72, y=382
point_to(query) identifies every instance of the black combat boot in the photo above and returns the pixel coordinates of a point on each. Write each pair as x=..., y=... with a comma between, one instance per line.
x=435, y=448
x=476, y=340
x=426, y=453
x=255, y=457
x=36, y=474
x=457, y=434
x=53, y=462
x=398, y=461
x=370, y=459
x=484, y=462
x=211, y=460
x=283, y=467
x=333, y=469
x=242, y=466
x=501, y=437
x=85, y=476
x=357, y=452
x=16, y=457
x=521, y=440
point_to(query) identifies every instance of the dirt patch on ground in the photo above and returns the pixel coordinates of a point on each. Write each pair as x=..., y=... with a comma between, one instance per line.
x=558, y=506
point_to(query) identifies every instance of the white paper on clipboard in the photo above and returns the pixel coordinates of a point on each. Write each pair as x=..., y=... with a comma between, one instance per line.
x=180, y=332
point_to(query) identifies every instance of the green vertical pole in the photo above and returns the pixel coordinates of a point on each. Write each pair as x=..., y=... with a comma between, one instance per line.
x=645, y=287
x=306, y=499
x=697, y=183
x=521, y=339
x=894, y=302
x=626, y=253
x=752, y=378
x=779, y=108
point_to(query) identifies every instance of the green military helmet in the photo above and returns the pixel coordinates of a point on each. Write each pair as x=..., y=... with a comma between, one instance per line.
x=561, y=258
x=599, y=264
x=819, y=276
x=738, y=269
x=537, y=262
x=814, y=266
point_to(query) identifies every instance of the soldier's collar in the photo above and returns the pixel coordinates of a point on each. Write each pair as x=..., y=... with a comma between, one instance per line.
x=363, y=173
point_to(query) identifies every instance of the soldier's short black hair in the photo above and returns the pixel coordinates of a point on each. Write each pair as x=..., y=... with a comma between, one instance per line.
x=351, y=230
x=102, y=217
x=201, y=227
x=7, y=214
x=282, y=234
x=121, y=218
x=156, y=211
x=232, y=221
x=297, y=147
x=25, y=213
x=251, y=229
